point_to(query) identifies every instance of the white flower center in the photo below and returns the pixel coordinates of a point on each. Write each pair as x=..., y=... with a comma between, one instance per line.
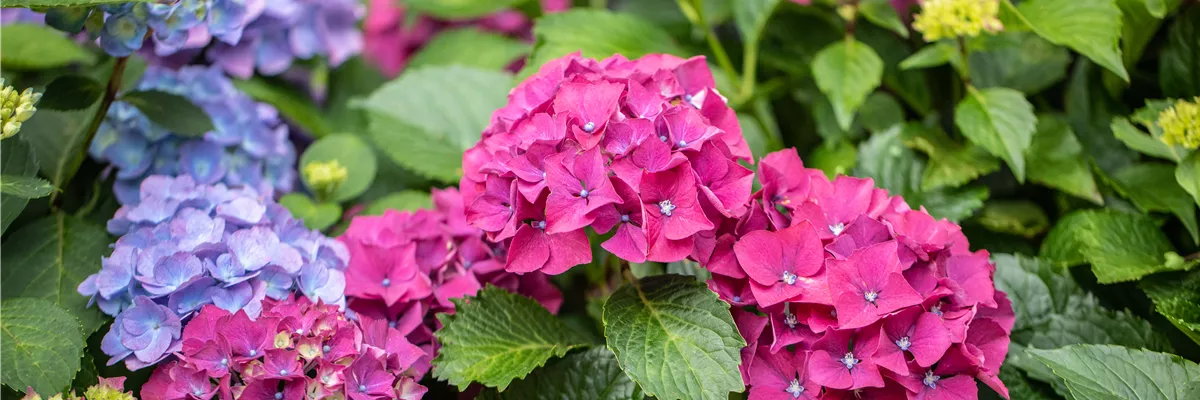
x=930, y=379
x=837, y=228
x=904, y=343
x=790, y=321
x=666, y=207
x=589, y=127
x=795, y=389
x=849, y=361
x=789, y=277
x=871, y=296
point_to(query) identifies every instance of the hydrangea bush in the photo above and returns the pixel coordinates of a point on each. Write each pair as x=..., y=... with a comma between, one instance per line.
x=690, y=199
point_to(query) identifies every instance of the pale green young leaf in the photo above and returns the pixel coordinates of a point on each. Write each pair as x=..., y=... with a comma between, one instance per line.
x=588, y=375
x=1120, y=246
x=1091, y=27
x=1138, y=140
x=40, y=346
x=882, y=14
x=597, y=34
x=846, y=72
x=56, y=254
x=408, y=200
x=1104, y=372
x=350, y=152
x=25, y=186
x=675, y=338
x=1056, y=159
x=1178, y=299
x=16, y=159
x=28, y=46
x=498, y=336
x=934, y=55
x=1152, y=187
x=1001, y=121
x=469, y=47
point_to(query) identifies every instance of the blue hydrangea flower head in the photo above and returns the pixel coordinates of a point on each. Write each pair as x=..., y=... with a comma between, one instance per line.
x=288, y=30
x=248, y=146
x=184, y=245
x=177, y=25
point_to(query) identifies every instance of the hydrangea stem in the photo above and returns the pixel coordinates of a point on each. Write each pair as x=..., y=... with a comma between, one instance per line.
x=110, y=94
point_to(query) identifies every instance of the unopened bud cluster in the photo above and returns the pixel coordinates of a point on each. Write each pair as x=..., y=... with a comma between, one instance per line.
x=16, y=107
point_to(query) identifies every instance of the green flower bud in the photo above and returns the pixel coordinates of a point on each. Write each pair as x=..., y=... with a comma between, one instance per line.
x=953, y=18
x=1181, y=124
x=324, y=177
x=15, y=108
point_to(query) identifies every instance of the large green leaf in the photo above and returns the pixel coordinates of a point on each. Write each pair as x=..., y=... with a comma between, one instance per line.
x=1018, y=60
x=1179, y=63
x=1056, y=159
x=171, y=111
x=896, y=168
x=71, y=92
x=1090, y=111
x=675, y=338
x=1152, y=187
x=459, y=9
x=40, y=346
x=1116, y=373
x=833, y=157
x=1187, y=173
x=846, y=72
x=293, y=104
x=57, y=138
x=498, y=336
x=425, y=119
x=1178, y=299
x=469, y=47
x=54, y=255
x=597, y=34
x=751, y=17
x=16, y=159
x=950, y=164
x=1001, y=121
x=1091, y=27
x=350, y=152
x=29, y=46
x=28, y=187
x=315, y=216
x=589, y=375
x=1119, y=246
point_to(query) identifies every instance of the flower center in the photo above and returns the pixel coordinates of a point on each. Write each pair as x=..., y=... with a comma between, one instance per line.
x=666, y=207
x=299, y=331
x=326, y=348
x=391, y=324
x=871, y=296
x=683, y=143
x=936, y=310
x=583, y=193
x=930, y=379
x=278, y=395
x=904, y=343
x=589, y=127
x=795, y=389
x=849, y=361
x=386, y=282
x=789, y=278
x=790, y=321
x=737, y=299
x=625, y=218
x=837, y=228
x=538, y=224
x=198, y=392
x=253, y=352
x=283, y=372
x=662, y=138
x=362, y=388
x=224, y=362
x=467, y=264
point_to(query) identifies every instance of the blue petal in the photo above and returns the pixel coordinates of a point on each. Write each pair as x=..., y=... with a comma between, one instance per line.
x=203, y=160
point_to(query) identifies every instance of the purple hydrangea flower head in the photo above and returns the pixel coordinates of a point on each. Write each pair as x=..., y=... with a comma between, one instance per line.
x=287, y=30
x=248, y=145
x=177, y=25
x=185, y=245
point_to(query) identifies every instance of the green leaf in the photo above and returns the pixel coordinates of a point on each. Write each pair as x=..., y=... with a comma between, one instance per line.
x=751, y=17
x=294, y=105
x=408, y=200
x=16, y=159
x=1056, y=159
x=315, y=216
x=56, y=254
x=894, y=167
x=71, y=92
x=353, y=154
x=459, y=9
x=57, y=140
x=597, y=34
x=1180, y=59
x=1152, y=187
x=954, y=205
x=882, y=14
x=173, y=112
x=469, y=47
x=62, y=3
x=1177, y=299
x=880, y=111
x=675, y=338
x=425, y=119
x=1187, y=173
x=1091, y=27
x=589, y=375
x=833, y=157
x=1019, y=386
x=910, y=86
x=1157, y=8
x=846, y=72
x=1120, y=246
x=29, y=46
x=28, y=187
x=498, y=336
x=1018, y=60
x=1115, y=372
x=1001, y=121
x=1021, y=217
x=40, y=345
x=933, y=55
x=1090, y=111
x=1138, y=140
x=950, y=164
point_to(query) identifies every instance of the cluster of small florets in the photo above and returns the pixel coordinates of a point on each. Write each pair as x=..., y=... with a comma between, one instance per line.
x=186, y=245
x=171, y=25
x=406, y=266
x=393, y=35
x=646, y=146
x=287, y=30
x=15, y=108
x=106, y=389
x=295, y=349
x=858, y=293
x=249, y=144
x=957, y=18
x=1181, y=124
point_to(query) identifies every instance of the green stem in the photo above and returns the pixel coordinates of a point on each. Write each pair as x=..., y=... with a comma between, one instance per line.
x=966, y=61
x=750, y=71
x=110, y=95
x=710, y=36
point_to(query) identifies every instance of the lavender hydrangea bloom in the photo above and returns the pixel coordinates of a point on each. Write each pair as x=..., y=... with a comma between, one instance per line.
x=288, y=30
x=184, y=245
x=176, y=26
x=249, y=145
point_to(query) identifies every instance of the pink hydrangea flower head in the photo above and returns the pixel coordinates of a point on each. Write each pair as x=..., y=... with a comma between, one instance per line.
x=646, y=146
x=883, y=301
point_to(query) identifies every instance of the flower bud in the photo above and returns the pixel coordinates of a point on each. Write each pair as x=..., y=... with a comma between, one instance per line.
x=15, y=108
x=324, y=177
x=941, y=19
x=1181, y=124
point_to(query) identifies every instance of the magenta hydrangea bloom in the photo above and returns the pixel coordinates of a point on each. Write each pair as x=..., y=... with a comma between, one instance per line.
x=406, y=266
x=864, y=296
x=185, y=245
x=647, y=146
x=293, y=349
